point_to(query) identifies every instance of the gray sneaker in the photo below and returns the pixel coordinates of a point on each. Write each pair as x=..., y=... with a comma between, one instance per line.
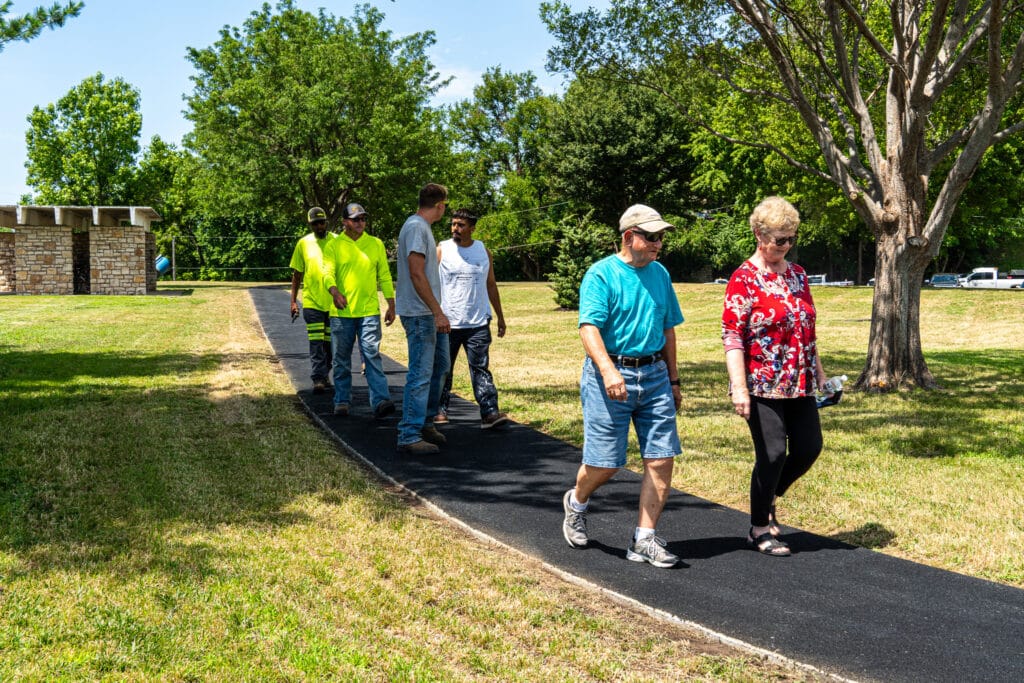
x=651, y=549
x=574, y=528
x=341, y=409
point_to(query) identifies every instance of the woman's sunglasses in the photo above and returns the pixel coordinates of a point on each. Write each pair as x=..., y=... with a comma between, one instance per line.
x=783, y=241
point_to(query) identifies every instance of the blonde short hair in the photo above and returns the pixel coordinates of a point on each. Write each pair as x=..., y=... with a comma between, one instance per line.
x=774, y=213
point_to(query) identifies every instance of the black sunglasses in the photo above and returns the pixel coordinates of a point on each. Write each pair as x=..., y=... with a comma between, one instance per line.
x=319, y=222
x=656, y=237
x=783, y=241
x=359, y=219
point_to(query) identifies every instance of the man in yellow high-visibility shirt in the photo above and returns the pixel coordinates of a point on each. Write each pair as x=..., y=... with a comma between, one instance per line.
x=355, y=269
x=307, y=271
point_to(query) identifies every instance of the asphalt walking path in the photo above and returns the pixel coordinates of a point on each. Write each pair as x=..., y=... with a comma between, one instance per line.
x=843, y=610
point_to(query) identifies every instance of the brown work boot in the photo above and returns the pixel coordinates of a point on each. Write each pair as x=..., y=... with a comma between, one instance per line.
x=431, y=434
x=419, y=448
x=493, y=420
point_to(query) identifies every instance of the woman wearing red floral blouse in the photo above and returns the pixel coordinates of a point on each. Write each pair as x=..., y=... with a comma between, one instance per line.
x=773, y=363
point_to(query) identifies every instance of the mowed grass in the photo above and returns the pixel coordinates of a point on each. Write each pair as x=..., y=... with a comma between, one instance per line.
x=936, y=477
x=168, y=513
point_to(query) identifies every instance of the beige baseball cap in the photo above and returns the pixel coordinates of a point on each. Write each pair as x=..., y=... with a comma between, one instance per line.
x=644, y=218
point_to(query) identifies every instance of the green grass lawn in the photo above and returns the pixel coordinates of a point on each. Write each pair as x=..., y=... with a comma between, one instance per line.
x=167, y=513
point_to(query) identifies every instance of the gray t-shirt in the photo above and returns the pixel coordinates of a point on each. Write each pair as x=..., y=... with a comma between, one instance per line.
x=415, y=238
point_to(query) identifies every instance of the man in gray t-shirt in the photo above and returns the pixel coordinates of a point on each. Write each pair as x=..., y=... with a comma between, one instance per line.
x=417, y=301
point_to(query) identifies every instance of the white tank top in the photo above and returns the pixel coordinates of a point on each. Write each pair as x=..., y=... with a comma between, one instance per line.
x=463, y=273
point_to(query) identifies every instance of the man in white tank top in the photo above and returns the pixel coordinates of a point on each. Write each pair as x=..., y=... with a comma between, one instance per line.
x=469, y=293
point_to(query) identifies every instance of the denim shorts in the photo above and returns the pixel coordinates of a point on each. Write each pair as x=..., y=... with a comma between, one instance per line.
x=649, y=406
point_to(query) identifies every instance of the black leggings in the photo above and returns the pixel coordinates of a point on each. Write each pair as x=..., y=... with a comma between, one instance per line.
x=774, y=422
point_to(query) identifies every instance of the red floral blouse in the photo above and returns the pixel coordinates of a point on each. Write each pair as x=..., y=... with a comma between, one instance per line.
x=771, y=317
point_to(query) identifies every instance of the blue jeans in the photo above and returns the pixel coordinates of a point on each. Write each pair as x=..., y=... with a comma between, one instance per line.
x=344, y=332
x=649, y=406
x=477, y=342
x=428, y=363
x=318, y=328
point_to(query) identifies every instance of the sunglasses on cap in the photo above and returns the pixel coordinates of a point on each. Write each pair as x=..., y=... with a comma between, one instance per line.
x=649, y=237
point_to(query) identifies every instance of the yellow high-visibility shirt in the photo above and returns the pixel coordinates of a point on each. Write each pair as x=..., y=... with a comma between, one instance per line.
x=308, y=259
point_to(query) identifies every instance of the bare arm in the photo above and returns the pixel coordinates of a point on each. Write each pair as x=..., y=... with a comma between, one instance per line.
x=668, y=352
x=614, y=385
x=735, y=363
x=420, y=283
x=296, y=283
x=494, y=296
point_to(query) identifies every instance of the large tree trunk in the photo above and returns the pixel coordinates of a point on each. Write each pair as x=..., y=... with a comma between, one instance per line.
x=895, y=359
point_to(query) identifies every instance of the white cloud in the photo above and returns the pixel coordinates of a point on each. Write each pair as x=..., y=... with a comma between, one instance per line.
x=461, y=86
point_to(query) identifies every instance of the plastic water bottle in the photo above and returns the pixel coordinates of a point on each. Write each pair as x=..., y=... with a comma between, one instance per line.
x=832, y=392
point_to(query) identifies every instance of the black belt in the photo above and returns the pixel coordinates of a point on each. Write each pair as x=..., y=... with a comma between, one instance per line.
x=628, y=362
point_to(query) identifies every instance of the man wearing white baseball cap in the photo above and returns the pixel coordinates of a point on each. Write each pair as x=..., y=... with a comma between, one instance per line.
x=628, y=315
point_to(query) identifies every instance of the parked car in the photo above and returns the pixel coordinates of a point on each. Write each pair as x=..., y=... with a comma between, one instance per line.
x=944, y=280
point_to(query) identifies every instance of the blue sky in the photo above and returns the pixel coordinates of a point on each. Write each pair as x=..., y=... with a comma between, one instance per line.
x=144, y=43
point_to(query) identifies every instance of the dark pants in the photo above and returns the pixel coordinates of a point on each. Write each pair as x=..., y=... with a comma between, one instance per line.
x=778, y=425
x=318, y=327
x=477, y=342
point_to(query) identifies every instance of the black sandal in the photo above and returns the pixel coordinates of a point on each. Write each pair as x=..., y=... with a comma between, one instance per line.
x=766, y=544
x=773, y=522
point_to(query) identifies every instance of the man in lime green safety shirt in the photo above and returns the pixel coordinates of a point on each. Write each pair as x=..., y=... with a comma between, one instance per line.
x=355, y=269
x=307, y=270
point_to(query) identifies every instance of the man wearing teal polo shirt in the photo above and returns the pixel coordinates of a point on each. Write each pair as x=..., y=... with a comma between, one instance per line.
x=355, y=269
x=307, y=272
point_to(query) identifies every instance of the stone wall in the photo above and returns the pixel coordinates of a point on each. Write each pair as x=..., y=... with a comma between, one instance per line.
x=117, y=259
x=43, y=261
x=7, y=277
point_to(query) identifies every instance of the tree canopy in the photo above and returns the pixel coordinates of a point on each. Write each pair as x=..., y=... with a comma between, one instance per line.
x=30, y=25
x=294, y=109
x=82, y=150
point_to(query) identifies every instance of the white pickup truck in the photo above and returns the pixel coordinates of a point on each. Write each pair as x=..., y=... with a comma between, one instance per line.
x=823, y=280
x=991, y=278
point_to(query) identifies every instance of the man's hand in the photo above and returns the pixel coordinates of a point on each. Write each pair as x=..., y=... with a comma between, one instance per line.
x=677, y=396
x=389, y=315
x=441, y=323
x=614, y=385
x=294, y=311
x=340, y=302
x=501, y=327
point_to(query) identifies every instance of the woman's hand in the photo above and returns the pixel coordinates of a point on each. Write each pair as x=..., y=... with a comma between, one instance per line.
x=741, y=402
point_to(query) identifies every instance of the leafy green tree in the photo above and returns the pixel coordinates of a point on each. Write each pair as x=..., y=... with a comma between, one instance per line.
x=28, y=26
x=499, y=135
x=894, y=104
x=583, y=243
x=295, y=109
x=612, y=145
x=82, y=150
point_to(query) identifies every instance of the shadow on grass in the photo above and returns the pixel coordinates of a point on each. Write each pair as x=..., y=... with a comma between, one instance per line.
x=104, y=459
x=870, y=535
